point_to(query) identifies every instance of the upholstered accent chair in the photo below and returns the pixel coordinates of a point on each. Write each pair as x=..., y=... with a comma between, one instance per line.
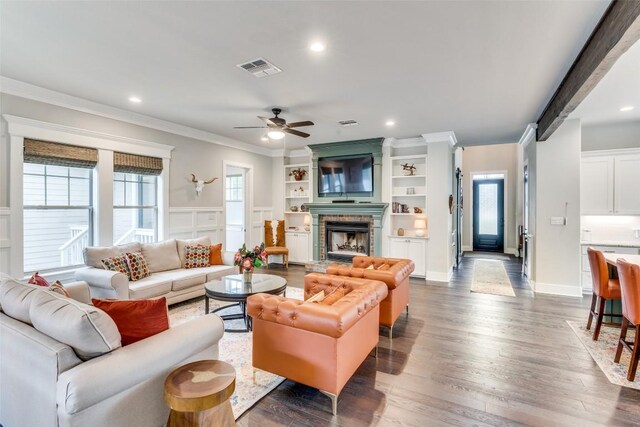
x=604, y=288
x=630, y=289
x=274, y=241
x=394, y=272
x=318, y=345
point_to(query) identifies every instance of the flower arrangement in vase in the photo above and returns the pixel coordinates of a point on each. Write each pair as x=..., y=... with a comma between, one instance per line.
x=298, y=174
x=248, y=260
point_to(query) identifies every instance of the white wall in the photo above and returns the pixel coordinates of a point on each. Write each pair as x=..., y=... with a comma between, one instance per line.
x=611, y=136
x=557, y=249
x=490, y=158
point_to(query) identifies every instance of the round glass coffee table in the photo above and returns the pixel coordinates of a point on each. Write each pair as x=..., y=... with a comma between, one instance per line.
x=233, y=288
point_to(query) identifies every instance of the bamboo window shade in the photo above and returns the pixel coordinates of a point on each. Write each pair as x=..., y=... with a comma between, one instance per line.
x=132, y=163
x=56, y=154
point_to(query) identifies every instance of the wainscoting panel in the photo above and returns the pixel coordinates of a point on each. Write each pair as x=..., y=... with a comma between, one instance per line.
x=189, y=223
x=5, y=242
x=259, y=216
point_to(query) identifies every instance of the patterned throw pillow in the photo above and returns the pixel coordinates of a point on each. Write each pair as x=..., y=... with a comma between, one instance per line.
x=137, y=266
x=59, y=289
x=117, y=263
x=196, y=256
x=37, y=279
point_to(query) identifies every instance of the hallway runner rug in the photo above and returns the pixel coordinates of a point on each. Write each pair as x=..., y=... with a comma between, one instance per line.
x=235, y=349
x=490, y=277
x=604, y=350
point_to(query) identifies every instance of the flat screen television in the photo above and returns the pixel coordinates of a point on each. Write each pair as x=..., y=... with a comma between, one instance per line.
x=352, y=175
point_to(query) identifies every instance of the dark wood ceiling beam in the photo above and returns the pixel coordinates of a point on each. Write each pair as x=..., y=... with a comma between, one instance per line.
x=617, y=31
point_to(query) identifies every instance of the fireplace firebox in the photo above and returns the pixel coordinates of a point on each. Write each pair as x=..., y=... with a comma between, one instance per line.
x=346, y=239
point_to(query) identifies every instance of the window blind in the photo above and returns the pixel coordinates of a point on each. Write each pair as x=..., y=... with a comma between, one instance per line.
x=53, y=153
x=132, y=163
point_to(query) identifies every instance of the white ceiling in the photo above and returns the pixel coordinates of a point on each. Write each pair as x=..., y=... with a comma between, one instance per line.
x=482, y=69
x=620, y=87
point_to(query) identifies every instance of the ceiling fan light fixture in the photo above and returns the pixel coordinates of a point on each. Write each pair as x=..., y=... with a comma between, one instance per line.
x=264, y=139
x=317, y=47
x=275, y=134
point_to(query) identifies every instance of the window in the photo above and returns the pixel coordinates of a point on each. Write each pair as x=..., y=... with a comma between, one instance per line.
x=234, y=188
x=135, y=208
x=58, y=215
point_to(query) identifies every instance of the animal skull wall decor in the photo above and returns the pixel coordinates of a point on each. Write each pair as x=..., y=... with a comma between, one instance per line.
x=200, y=183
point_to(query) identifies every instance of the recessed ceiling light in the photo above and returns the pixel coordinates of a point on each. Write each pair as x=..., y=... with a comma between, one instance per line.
x=135, y=99
x=390, y=123
x=275, y=134
x=626, y=108
x=264, y=139
x=317, y=47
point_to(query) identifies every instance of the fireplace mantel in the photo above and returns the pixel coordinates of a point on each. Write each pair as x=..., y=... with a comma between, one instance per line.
x=375, y=210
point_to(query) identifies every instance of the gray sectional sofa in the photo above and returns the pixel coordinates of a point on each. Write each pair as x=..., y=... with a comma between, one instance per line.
x=168, y=277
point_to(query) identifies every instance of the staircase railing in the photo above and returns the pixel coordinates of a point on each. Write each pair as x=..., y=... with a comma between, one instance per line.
x=142, y=235
x=71, y=251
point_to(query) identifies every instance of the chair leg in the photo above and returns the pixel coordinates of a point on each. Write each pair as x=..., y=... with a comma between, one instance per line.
x=596, y=331
x=391, y=332
x=635, y=355
x=286, y=261
x=407, y=310
x=334, y=401
x=623, y=337
x=594, y=298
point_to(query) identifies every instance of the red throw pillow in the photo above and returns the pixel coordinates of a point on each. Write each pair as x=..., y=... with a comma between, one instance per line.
x=215, y=258
x=136, y=319
x=37, y=279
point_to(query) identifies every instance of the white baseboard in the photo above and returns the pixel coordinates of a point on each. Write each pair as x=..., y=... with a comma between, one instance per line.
x=555, y=289
x=467, y=248
x=439, y=276
x=511, y=251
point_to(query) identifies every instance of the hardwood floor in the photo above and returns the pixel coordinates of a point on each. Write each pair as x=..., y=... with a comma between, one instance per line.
x=462, y=358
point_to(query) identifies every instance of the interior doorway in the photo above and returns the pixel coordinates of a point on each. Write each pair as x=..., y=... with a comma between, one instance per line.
x=237, y=201
x=488, y=212
x=526, y=250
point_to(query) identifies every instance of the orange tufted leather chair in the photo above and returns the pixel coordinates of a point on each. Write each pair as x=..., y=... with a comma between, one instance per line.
x=604, y=288
x=317, y=345
x=396, y=278
x=630, y=288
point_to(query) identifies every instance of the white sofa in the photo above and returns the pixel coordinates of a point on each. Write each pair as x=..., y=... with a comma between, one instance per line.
x=47, y=383
x=168, y=278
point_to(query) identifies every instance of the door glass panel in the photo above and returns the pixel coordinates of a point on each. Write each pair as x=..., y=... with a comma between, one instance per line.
x=488, y=209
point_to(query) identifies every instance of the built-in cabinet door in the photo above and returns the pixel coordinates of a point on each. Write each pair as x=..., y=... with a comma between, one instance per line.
x=298, y=244
x=596, y=185
x=413, y=249
x=627, y=184
x=398, y=248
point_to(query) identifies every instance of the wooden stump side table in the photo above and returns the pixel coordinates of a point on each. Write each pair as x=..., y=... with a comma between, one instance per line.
x=198, y=394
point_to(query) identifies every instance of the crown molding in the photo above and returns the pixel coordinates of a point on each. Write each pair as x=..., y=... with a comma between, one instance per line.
x=404, y=142
x=448, y=136
x=528, y=135
x=37, y=93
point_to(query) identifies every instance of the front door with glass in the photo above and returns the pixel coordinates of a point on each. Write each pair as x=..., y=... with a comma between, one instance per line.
x=488, y=215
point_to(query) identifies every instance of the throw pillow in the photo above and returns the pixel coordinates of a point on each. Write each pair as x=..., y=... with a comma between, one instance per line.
x=117, y=263
x=136, y=319
x=216, y=255
x=334, y=296
x=137, y=266
x=196, y=256
x=37, y=279
x=383, y=267
x=58, y=288
x=316, y=297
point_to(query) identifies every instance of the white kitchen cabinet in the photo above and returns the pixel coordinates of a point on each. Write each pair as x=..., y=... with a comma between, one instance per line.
x=627, y=184
x=596, y=185
x=609, y=183
x=414, y=249
x=298, y=244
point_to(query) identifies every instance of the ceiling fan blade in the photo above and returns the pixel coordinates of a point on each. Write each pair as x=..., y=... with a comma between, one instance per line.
x=300, y=124
x=295, y=132
x=250, y=127
x=267, y=121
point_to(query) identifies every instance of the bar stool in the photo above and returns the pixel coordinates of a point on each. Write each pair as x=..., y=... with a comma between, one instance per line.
x=604, y=288
x=630, y=286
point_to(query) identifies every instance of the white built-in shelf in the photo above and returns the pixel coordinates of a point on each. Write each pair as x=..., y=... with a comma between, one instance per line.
x=407, y=214
x=295, y=213
x=298, y=165
x=408, y=176
x=408, y=237
x=408, y=195
x=302, y=181
x=296, y=197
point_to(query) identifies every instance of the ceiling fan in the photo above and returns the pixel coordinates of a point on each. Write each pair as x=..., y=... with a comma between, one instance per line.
x=279, y=126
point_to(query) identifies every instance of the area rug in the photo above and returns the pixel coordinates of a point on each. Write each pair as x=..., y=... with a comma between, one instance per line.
x=604, y=350
x=490, y=277
x=235, y=349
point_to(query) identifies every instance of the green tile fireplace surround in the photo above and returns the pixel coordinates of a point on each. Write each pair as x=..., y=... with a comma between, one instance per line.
x=371, y=207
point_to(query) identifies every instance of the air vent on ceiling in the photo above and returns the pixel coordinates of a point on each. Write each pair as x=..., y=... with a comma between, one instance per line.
x=260, y=67
x=348, y=123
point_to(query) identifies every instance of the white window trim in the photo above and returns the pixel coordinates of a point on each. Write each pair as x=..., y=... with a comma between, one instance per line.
x=20, y=128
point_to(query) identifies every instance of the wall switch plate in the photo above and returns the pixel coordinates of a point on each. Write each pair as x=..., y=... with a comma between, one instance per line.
x=558, y=220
